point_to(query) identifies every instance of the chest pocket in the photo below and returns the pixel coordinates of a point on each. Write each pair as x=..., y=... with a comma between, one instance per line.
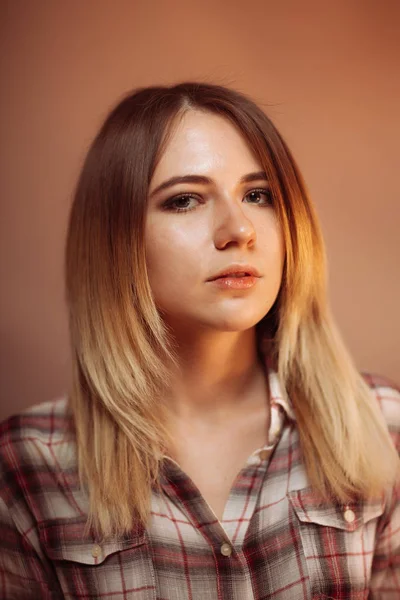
x=337, y=543
x=86, y=566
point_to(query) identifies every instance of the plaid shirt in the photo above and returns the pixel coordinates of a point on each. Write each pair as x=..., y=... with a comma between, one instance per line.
x=275, y=540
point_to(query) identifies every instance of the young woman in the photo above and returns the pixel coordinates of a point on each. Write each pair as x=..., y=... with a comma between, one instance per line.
x=217, y=441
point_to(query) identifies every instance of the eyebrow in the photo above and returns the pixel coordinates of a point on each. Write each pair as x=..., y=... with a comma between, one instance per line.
x=202, y=179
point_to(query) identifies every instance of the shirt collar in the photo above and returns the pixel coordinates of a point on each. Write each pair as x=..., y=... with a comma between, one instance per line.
x=277, y=397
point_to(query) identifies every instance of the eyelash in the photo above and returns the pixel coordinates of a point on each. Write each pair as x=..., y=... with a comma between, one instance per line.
x=168, y=205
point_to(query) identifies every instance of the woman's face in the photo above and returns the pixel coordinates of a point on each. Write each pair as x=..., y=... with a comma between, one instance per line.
x=198, y=229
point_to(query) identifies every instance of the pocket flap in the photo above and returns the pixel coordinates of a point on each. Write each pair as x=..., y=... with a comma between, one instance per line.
x=310, y=509
x=64, y=540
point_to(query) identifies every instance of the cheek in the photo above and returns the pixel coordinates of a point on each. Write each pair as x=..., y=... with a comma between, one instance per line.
x=170, y=254
x=273, y=247
x=279, y=252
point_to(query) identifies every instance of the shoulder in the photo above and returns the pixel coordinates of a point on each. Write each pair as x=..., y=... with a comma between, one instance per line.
x=35, y=446
x=387, y=394
x=45, y=423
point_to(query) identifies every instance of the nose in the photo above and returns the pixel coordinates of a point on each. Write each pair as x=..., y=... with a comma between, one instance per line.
x=233, y=226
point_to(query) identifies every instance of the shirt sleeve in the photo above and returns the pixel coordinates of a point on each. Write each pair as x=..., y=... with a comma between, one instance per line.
x=23, y=575
x=385, y=574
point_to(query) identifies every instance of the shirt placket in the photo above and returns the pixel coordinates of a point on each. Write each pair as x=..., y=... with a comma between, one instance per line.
x=225, y=538
x=231, y=573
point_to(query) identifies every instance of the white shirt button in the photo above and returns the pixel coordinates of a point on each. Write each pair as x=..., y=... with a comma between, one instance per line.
x=349, y=515
x=96, y=551
x=226, y=549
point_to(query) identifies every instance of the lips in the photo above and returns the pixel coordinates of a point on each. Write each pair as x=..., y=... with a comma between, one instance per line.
x=233, y=275
x=236, y=271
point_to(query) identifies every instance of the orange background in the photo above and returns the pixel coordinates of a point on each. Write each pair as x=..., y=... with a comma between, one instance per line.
x=327, y=73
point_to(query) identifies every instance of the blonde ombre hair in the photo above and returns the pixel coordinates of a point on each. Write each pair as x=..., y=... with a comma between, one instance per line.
x=121, y=351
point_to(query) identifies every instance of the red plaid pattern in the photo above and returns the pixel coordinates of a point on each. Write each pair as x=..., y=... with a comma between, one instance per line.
x=275, y=541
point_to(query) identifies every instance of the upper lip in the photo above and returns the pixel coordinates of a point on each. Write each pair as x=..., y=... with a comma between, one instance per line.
x=236, y=268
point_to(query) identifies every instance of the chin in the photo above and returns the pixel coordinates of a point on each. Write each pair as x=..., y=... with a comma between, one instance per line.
x=228, y=318
x=234, y=322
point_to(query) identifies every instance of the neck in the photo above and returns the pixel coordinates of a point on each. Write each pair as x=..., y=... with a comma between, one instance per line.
x=217, y=373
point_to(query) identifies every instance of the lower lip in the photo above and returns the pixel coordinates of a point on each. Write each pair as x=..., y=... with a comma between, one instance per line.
x=235, y=283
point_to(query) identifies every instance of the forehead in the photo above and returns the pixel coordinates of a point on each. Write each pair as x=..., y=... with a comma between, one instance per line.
x=202, y=142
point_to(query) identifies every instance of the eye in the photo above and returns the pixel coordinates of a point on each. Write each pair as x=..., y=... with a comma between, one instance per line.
x=181, y=203
x=255, y=197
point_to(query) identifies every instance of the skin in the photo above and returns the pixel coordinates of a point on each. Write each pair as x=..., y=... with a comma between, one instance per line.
x=220, y=388
x=214, y=329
